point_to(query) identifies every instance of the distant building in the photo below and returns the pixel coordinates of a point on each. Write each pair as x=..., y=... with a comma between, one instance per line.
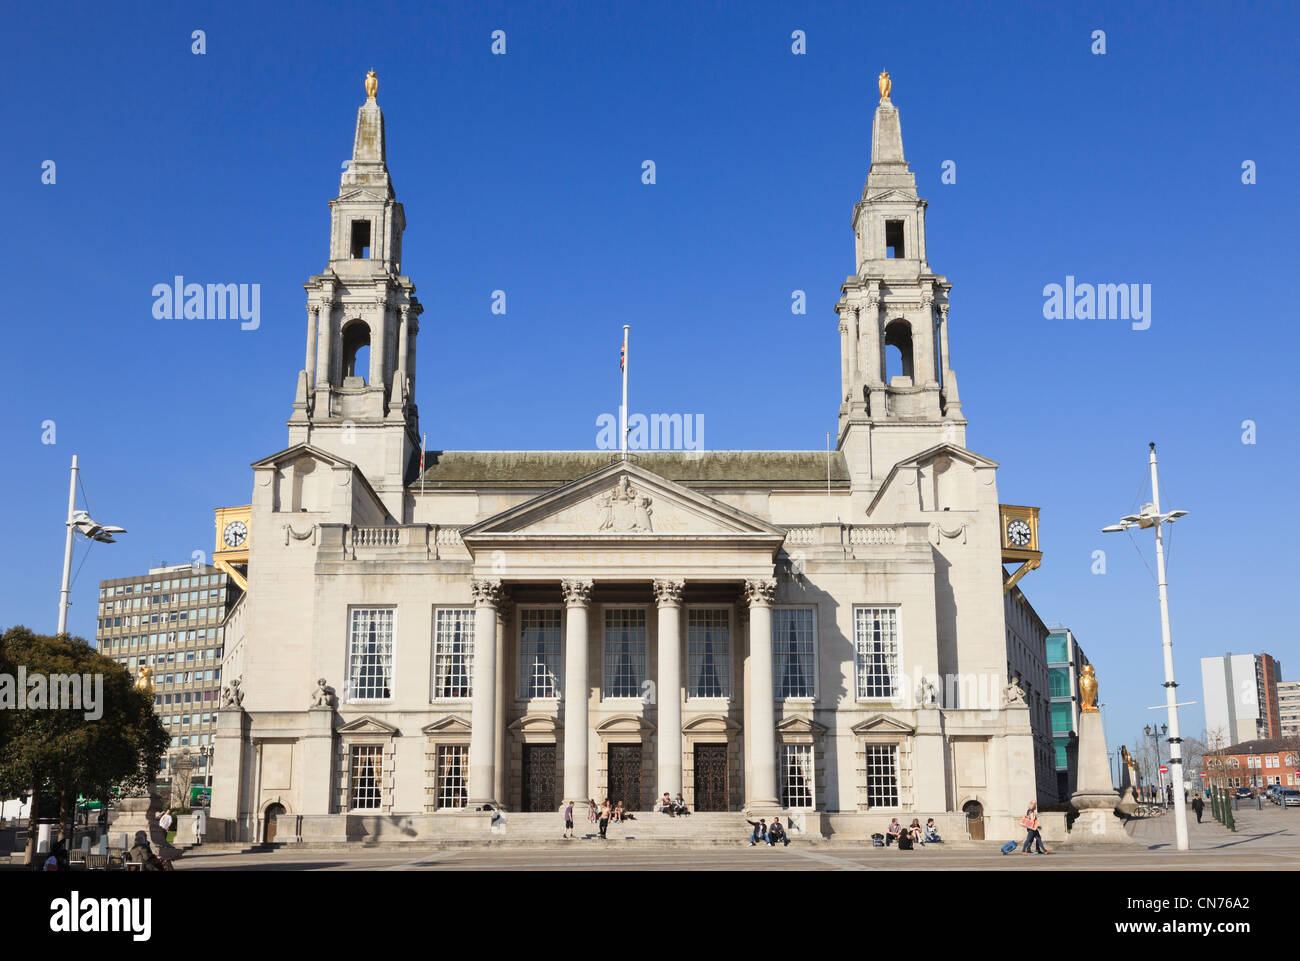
x=1241, y=702
x=1256, y=763
x=171, y=620
x=1288, y=707
x=1065, y=662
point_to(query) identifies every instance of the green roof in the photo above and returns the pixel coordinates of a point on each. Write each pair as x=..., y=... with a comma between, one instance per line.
x=718, y=469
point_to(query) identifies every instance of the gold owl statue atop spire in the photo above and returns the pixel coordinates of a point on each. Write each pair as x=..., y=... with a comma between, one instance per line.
x=372, y=84
x=885, y=84
x=1088, y=689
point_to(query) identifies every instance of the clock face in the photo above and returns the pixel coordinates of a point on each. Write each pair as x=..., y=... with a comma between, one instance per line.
x=235, y=534
x=1018, y=533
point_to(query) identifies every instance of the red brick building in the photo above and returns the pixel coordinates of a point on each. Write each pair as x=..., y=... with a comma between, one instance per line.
x=1255, y=764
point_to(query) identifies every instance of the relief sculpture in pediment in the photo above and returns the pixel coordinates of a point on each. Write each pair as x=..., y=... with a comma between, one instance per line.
x=624, y=508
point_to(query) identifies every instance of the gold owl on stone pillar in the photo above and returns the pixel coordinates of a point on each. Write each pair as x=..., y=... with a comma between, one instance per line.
x=372, y=84
x=1088, y=689
x=145, y=681
x=885, y=84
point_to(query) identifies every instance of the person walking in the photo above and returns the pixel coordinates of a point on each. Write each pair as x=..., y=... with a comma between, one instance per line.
x=1198, y=806
x=604, y=819
x=568, y=821
x=1031, y=823
x=196, y=826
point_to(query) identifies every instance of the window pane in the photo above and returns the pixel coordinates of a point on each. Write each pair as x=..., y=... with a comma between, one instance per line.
x=796, y=776
x=624, y=652
x=367, y=776
x=453, y=779
x=1060, y=681
x=882, y=775
x=876, y=631
x=370, y=655
x=453, y=661
x=793, y=652
x=539, y=652
x=708, y=652
x=1058, y=648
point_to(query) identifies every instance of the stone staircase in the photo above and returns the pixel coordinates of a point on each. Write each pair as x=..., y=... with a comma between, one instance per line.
x=705, y=828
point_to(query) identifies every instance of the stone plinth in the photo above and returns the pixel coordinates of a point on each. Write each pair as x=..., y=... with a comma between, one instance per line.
x=141, y=814
x=1096, y=798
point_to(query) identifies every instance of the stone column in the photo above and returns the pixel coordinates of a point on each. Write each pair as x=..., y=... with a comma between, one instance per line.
x=846, y=350
x=761, y=792
x=943, y=337
x=504, y=608
x=577, y=690
x=482, y=738
x=324, y=337
x=668, y=596
x=402, y=334
x=746, y=717
x=310, y=364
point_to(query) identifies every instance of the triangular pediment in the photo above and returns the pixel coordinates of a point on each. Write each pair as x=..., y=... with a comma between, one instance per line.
x=297, y=451
x=361, y=194
x=892, y=194
x=801, y=725
x=368, y=725
x=623, y=501
x=453, y=725
x=928, y=458
x=882, y=724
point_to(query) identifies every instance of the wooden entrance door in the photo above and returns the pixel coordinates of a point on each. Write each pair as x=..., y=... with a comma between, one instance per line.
x=539, y=777
x=625, y=775
x=272, y=816
x=710, y=777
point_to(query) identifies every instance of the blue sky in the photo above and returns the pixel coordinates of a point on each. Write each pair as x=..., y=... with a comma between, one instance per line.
x=522, y=172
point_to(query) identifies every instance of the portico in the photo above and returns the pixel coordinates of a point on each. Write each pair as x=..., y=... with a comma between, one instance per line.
x=653, y=580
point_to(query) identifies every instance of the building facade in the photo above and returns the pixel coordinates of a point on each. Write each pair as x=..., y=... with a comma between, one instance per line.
x=1288, y=708
x=1256, y=764
x=1241, y=698
x=517, y=629
x=171, y=620
x=1065, y=663
x=1027, y=665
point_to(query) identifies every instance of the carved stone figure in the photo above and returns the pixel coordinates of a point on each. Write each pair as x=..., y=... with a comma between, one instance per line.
x=927, y=695
x=231, y=695
x=624, y=508
x=1088, y=689
x=323, y=695
x=1014, y=693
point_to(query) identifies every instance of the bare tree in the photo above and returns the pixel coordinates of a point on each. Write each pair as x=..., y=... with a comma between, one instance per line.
x=181, y=766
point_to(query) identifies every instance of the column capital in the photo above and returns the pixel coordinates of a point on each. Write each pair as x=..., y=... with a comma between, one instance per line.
x=760, y=591
x=668, y=593
x=577, y=591
x=505, y=605
x=487, y=591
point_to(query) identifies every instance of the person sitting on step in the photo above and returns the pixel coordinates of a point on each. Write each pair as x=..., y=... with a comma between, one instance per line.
x=777, y=833
x=679, y=806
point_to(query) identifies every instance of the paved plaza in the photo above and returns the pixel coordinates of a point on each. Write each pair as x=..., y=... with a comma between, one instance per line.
x=1264, y=840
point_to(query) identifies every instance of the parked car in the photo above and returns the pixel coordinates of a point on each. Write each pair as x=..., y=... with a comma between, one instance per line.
x=1270, y=792
x=1289, y=797
x=1245, y=792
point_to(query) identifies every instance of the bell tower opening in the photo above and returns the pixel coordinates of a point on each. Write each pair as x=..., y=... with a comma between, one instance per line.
x=356, y=350
x=361, y=240
x=894, y=246
x=898, y=351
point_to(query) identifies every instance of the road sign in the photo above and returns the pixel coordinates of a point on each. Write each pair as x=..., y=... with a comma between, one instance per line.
x=1163, y=769
x=1204, y=775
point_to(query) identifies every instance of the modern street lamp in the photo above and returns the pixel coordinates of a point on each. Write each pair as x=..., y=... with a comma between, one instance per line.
x=1151, y=731
x=78, y=522
x=1150, y=516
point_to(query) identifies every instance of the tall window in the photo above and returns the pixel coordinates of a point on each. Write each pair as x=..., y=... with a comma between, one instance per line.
x=370, y=654
x=875, y=632
x=367, y=777
x=624, y=652
x=453, y=653
x=882, y=775
x=1059, y=679
x=539, y=652
x=708, y=640
x=453, y=776
x=794, y=652
x=796, y=776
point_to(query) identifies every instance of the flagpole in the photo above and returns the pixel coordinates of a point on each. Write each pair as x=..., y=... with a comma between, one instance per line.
x=623, y=412
x=67, y=551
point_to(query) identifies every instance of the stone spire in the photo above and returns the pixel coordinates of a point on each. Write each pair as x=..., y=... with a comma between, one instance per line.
x=367, y=166
x=889, y=169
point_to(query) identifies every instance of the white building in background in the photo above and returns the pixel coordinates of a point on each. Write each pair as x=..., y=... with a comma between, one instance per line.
x=518, y=628
x=1241, y=698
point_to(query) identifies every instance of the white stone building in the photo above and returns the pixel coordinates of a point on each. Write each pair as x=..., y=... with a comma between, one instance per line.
x=521, y=628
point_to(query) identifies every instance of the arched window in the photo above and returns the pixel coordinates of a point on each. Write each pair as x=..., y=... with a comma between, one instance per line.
x=356, y=350
x=898, y=350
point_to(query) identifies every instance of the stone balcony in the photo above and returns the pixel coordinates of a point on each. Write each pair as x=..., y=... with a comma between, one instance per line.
x=397, y=542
